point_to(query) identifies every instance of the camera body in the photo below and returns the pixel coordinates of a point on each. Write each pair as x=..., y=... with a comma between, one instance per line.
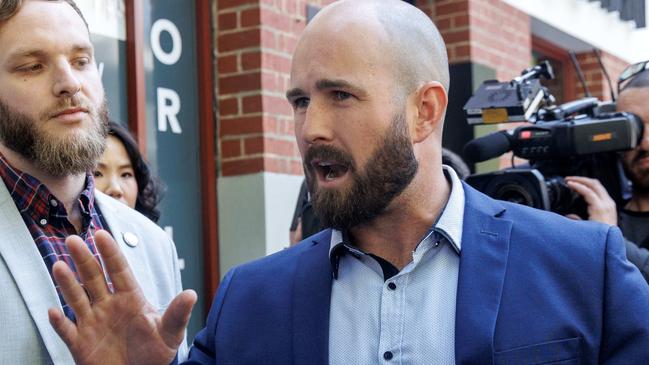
x=580, y=138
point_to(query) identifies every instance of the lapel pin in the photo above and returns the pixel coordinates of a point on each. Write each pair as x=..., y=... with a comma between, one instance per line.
x=130, y=239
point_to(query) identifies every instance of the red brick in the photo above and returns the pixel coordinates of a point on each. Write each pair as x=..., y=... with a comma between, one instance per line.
x=228, y=106
x=458, y=36
x=461, y=20
x=238, y=83
x=462, y=51
x=225, y=4
x=271, y=82
x=227, y=64
x=251, y=18
x=296, y=168
x=242, y=167
x=269, y=39
x=239, y=40
x=280, y=147
x=252, y=104
x=276, y=63
x=277, y=105
x=240, y=126
x=278, y=165
x=286, y=43
x=277, y=20
x=443, y=24
x=253, y=145
x=460, y=6
x=251, y=60
x=227, y=21
x=231, y=148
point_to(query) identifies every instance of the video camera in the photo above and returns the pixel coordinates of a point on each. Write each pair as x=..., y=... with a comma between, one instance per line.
x=579, y=138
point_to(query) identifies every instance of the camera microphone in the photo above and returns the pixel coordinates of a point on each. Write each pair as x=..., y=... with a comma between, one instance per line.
x=487, y=147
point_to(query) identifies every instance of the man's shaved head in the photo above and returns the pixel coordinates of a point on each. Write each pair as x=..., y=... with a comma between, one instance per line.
x=406, y=37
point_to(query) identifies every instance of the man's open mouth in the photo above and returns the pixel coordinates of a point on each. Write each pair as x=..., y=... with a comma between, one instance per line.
x=329, y=170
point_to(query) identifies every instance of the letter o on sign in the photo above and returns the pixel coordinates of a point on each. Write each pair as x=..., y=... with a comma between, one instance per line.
x=165, y=25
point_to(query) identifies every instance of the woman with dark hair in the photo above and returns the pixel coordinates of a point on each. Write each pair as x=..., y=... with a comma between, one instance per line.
x=123, y=174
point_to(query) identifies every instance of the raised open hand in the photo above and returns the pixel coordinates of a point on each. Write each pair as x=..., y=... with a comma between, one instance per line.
x=119, y=327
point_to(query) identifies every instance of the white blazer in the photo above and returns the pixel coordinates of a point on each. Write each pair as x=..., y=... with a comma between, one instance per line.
x=27, y=290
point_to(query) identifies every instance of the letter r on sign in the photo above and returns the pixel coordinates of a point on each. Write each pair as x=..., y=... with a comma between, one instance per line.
x=168, y=108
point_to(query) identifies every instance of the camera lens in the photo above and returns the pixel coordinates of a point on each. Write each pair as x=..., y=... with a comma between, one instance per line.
x=515, y=194
x=562, y=198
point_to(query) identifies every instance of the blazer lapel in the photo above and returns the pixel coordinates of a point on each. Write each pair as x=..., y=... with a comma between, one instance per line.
x=311, y=302
x=483, y=262
x=32, y=278
x=117, y=226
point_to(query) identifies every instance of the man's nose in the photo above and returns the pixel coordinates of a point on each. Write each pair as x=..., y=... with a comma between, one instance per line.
x=66, y=82
x=317, y=125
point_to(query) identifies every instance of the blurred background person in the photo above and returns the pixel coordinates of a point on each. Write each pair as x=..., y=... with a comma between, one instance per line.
x=123, y=174
x=633, y=217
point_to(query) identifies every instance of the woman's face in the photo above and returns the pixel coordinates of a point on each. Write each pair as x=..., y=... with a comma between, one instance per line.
x=114, y=174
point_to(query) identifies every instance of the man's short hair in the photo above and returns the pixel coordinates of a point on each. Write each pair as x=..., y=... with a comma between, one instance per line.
x=9, y=8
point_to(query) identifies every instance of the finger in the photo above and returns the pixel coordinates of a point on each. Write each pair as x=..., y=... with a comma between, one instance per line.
x=176, y=318
x=63, y=326
x=115, y=263
x=88, y=268
x=573, y=217
x=587, y=193
x=593, y=184
x=72, y=291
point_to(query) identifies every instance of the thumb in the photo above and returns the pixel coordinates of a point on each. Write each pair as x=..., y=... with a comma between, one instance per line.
x=176, y=317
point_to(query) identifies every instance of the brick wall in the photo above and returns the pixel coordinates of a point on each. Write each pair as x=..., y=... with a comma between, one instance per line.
x=594, y=76
x=255, y=40
x=488, y=32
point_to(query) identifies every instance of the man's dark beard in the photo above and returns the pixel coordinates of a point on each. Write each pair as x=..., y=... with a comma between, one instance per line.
x=639, y=178
x=54, y=156
x=387, y=173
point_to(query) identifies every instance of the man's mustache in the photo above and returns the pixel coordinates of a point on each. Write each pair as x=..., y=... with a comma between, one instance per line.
x=75, y=101
x=641, y=154
x=327, y=153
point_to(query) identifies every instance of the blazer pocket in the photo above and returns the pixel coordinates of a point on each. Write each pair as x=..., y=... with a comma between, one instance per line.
x=559, y=352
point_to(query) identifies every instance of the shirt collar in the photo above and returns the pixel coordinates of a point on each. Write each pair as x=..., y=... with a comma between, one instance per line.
x=448, y=225
x=33, y=197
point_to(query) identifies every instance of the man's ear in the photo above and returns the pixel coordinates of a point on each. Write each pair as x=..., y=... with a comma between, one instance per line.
x=431, y=101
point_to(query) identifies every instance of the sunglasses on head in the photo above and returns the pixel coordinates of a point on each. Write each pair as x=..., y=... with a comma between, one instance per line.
x=629, y=73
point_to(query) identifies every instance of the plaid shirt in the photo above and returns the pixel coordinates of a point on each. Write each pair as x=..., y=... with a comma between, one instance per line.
x=47, y=219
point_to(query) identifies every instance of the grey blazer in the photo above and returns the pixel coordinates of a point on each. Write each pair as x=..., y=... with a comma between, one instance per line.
x=27, y=291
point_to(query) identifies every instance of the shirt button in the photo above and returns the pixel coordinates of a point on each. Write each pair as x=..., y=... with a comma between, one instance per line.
x=43, y=222
x=388, y=355
x=54, y=203
x=392, y=286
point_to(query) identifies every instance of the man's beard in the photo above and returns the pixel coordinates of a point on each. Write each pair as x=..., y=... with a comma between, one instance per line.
x=638, y=176
x=386, y=174
x=50, y=153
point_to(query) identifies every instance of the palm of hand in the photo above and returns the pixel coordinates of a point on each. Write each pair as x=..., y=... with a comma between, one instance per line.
x=119, y=327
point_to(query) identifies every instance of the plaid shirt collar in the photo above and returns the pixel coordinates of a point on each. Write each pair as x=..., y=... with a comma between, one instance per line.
x=34, y=198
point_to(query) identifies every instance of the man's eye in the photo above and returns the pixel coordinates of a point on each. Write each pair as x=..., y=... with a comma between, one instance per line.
x=342, y=95
x=98, y=174
x=81, y=62
x=31, y=68
x=301, y=103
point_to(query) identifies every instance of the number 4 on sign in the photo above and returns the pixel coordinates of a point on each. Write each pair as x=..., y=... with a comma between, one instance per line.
x=168, y=109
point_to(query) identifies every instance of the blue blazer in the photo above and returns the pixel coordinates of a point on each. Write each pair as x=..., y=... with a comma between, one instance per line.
x=534, y=288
